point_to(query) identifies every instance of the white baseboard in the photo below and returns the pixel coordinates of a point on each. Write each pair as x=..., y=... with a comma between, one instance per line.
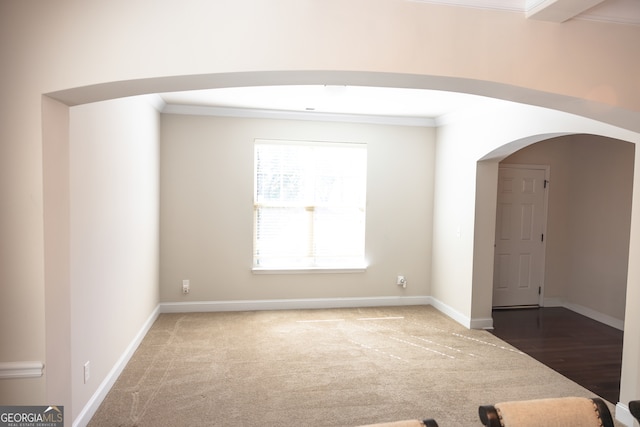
x=94, y=402
x=290, y=304
x=318, y=303
x=451, y=312
x=585, y=311
x=466, y=321
x=481, y=323
x=624, y=415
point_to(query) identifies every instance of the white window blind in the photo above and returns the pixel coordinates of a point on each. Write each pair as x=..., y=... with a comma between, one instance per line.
x=309, y=204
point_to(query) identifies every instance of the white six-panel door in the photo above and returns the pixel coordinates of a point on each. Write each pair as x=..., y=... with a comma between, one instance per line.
x=519, y=245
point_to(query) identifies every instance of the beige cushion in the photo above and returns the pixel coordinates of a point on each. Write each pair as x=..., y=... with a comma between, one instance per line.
x=559, y=412
x=405, y=423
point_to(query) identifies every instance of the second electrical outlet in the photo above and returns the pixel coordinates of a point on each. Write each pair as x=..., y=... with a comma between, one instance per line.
x=186, y=287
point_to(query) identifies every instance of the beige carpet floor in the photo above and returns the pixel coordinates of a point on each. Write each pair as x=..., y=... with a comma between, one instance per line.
x=340, y=367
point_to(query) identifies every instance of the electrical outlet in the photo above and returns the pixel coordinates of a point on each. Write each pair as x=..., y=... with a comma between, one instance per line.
x=87, y=373
x=401, y=281
x=186, y=286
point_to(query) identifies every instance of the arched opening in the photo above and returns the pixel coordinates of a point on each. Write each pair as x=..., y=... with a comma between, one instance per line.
x=586, y=250
x=589, y=215
x=478, y=306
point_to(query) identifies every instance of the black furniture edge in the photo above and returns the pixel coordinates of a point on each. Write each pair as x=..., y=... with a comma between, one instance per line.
x=489, y=416
x=634, y=408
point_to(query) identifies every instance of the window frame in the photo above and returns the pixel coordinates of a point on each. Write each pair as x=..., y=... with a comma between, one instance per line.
x=350, y=267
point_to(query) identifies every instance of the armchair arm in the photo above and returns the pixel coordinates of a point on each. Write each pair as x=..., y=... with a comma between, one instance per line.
x=489, y=416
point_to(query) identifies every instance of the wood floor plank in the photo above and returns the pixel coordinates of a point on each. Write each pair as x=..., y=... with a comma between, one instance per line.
x=582, y=349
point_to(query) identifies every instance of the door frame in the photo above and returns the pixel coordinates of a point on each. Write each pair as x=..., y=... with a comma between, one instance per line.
x=545, y=211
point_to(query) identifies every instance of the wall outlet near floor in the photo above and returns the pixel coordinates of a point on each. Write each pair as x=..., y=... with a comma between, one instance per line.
x=401, y=281
x=87, y=373
x=186, y=286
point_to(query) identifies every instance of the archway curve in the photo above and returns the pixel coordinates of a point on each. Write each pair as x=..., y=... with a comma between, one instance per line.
x=506, y=150
x=119, y=89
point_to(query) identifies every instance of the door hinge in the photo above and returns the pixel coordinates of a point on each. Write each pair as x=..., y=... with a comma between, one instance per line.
x=542, y=237
x=546, y=182
x=539, y=290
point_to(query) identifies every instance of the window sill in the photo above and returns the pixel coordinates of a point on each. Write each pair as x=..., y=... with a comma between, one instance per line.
x=309, y=270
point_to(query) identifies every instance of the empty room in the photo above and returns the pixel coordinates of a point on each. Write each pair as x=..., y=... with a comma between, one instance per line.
x=128, y=206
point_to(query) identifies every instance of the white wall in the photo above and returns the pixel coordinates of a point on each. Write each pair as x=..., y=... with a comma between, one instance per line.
x=207, y=210
x=114, y=239
x=600, y=226
x=588, y=221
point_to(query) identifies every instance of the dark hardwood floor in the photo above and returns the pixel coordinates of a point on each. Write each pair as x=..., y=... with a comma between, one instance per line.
x=583, y=350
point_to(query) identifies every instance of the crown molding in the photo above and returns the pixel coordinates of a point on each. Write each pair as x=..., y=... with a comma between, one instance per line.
x=196, y=110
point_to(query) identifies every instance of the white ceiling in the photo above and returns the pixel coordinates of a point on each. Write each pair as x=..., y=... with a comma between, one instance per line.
x=358, y=103
x=309, y=101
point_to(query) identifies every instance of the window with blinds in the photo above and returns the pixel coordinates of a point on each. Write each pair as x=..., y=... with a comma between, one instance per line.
x=309, y=205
